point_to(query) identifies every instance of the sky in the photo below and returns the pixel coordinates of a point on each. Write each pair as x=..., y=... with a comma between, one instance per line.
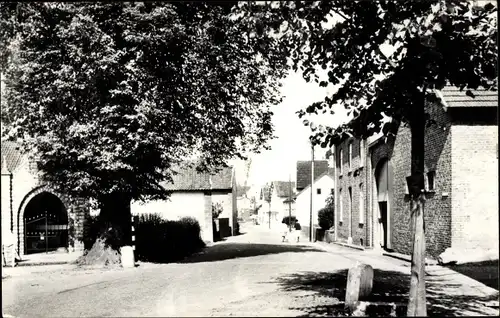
x=292, y=137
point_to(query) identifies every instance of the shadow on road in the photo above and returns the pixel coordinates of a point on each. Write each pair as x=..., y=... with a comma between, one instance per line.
x=226, y=251
x=388, y=286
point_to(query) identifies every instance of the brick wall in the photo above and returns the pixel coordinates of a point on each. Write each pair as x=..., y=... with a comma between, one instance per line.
x=349, y=226
x=474, y=186
x=465, y=186
x=77, y=214
x=437, y=207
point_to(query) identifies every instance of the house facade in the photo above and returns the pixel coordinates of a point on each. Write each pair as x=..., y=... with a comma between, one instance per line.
x=322, y=188
x=35, y=217
x=192, y=195
x=304, y=172
x=461, y=177
x=245, y=207
x=274, y=207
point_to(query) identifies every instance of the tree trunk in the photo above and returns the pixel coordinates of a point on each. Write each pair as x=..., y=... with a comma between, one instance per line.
x=115, y=218
x=417, y=305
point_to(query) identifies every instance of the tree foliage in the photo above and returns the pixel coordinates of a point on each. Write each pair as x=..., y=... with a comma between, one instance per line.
x=217, y=210
x=435, y=43
x=109, y=96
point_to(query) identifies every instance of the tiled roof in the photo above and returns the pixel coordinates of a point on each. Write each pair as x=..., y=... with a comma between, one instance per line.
x=453, y=97
x=223, y=180
x=328, y=173
x=188, y=179
x=304, y=172
x=282, y=188
x=11, y=154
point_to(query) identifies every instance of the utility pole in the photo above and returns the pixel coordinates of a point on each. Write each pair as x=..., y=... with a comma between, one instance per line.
x=269, y=215
x=46, y=236
x=335, y=196
x=311, y=203
x=290, y=203
x=271, y=186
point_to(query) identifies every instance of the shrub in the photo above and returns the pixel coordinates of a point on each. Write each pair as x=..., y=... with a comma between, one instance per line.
x=286, y=220
x=326, y=218
x=159, y=240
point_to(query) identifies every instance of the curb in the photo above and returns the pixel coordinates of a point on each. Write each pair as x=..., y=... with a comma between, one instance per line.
x=44, y=263
x=359, y=248
x=407, y=258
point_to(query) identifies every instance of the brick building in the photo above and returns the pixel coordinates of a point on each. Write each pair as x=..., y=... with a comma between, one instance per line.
x=35, y=218
x=461, y=171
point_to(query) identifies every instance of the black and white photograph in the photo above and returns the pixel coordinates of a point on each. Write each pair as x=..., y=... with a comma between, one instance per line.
x=333, y=158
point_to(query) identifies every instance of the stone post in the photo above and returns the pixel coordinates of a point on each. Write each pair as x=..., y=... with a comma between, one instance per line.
x=359, y=285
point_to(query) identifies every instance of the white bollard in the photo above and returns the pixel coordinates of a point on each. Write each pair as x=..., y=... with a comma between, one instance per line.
x=127, y=257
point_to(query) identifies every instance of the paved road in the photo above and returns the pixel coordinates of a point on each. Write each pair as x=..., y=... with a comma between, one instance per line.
x=253, y=274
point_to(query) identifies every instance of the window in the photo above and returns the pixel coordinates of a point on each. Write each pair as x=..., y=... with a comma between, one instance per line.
x=318, y=191
x=341, y=208
x=361, y=205
x=430, y=180
x=340, y=162
x=350, y=203
x=349, y=156
x=332, y=191
x=362, y=153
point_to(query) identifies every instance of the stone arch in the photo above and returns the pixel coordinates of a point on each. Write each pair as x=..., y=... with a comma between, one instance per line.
x=384, y=205
x=36, y=192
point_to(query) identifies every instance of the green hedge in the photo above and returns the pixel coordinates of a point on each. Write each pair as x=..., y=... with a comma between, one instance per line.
x=326, y=218
x=156, y=239
x=159, y=240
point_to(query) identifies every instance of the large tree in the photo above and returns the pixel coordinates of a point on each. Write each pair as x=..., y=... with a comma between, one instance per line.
x=435, y=43
x=110, y=96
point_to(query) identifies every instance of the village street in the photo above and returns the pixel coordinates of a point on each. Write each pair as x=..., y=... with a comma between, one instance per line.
x=252, y=274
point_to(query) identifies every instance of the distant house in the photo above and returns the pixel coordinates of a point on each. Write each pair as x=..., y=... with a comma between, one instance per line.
x=245, y=207
x=35, y=217
x=192, y=195
x=461, y=172
x=323, y=187
x=304, y=172
x=274, y=209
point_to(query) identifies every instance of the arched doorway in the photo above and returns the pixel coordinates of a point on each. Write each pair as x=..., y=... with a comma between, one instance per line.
x=45, y=224
x=383, y=203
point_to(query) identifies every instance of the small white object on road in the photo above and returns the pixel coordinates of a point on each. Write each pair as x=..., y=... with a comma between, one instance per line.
x=127, y=256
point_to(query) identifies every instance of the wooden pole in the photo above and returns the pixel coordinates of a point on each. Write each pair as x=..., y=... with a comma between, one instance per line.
x=335, y=223
x=417, y=305
x=46, y=237
x=269, y=216
x=290, y=203
x=311, y=203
